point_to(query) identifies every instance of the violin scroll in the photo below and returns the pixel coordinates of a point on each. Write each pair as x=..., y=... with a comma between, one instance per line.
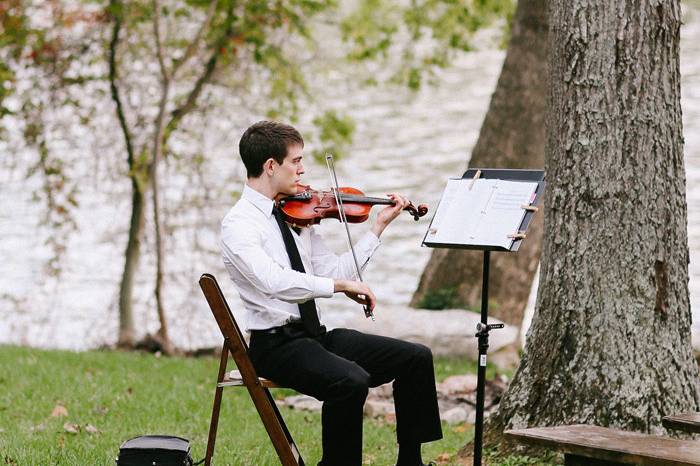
x=417, y=212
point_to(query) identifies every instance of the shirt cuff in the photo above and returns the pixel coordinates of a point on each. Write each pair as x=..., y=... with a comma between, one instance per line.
x=368, y=243
x=366, y=247
x=323, y=287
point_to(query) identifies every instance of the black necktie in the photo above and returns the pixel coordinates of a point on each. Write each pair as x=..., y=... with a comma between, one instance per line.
x=307, y=310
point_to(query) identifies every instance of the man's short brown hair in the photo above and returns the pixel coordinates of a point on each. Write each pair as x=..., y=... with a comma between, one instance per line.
x=264, y=140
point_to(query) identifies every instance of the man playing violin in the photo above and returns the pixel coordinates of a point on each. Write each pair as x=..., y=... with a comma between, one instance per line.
x=280, y=273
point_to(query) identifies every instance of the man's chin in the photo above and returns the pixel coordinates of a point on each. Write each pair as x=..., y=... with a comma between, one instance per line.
x=287, y=192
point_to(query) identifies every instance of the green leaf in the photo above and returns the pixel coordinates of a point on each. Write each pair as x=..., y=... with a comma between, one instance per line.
x=335, y=133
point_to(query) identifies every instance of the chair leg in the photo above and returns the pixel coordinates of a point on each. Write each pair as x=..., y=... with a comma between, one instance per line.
x=273, y=423
x=287, y=434
x=217, y=406
x=213, y=426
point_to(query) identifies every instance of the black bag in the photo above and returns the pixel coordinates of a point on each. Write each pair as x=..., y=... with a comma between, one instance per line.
x=155, y=450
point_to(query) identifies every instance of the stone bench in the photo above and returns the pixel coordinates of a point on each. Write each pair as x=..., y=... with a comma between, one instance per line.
x=593, y=445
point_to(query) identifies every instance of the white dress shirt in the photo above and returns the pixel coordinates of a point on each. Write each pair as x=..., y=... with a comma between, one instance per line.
x=258, y=263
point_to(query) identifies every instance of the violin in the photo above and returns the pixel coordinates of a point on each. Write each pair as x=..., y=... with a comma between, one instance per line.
x=311, y=206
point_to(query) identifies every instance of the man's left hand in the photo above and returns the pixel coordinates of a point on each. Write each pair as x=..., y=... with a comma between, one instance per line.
x=388, y=214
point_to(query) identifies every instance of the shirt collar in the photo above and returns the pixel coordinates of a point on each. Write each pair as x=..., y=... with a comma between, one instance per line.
x=262, y=202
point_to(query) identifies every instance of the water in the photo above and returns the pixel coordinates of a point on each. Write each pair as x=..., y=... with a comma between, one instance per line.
x=405, y=142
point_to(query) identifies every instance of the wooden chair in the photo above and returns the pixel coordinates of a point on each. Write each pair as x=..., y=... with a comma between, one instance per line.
x=245, y=377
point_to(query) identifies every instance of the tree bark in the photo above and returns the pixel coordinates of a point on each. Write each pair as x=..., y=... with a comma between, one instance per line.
x=610, y=340
x=126, y=337
x=512, y=136
x=156, y=156
x=131, y=260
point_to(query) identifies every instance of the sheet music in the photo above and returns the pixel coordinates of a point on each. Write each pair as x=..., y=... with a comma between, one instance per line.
x=481, y=216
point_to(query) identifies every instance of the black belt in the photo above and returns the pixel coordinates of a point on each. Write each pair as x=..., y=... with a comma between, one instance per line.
x=292, y=328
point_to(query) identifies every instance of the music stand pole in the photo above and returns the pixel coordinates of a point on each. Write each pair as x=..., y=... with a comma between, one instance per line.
x=482, y=333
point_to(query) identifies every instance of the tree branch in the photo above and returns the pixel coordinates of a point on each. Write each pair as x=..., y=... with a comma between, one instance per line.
x=206, y=76
x=189, y=52
x=159, y=44
x=115, y=7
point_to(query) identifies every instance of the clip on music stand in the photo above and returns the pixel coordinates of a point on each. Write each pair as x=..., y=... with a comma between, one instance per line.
x=483, y=327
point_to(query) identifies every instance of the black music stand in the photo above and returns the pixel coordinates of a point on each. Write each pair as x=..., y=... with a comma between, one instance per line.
x=483, y=327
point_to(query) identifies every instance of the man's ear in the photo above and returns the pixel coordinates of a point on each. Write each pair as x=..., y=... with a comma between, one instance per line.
x=269, y=166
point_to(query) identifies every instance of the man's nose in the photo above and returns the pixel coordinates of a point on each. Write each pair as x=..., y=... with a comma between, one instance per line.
x=300, y=169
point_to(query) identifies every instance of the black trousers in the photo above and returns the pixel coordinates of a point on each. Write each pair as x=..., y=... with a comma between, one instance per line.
x=337, y=368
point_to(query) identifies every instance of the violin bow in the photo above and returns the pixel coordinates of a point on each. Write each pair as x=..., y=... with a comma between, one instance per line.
x=341, y=211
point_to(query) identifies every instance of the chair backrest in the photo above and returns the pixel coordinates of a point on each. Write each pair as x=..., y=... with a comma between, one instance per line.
x=235, y=344
x=228, y=326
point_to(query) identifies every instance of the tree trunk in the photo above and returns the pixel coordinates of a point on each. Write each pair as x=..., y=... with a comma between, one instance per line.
x=162, y=334
x=610, y=340
x=131, y=260
x=131, y=257
x=512, y=136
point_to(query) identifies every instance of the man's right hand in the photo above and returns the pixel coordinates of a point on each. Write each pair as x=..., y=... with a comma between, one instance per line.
x=357, y=291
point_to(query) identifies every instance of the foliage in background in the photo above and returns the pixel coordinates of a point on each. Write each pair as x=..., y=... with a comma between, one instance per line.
x=189, y=48
x=443, y=298
x=447, y=298
x=65, y=67
x=13, y=35
x=419, y=36
x=46, y=59
x=335, y=135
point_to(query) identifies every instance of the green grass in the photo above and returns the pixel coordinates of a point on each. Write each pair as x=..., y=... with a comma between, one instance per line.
x=447, y=366
x=124, y=395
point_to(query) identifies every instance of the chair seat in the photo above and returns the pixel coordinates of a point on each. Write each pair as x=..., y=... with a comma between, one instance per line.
x=234, y=379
